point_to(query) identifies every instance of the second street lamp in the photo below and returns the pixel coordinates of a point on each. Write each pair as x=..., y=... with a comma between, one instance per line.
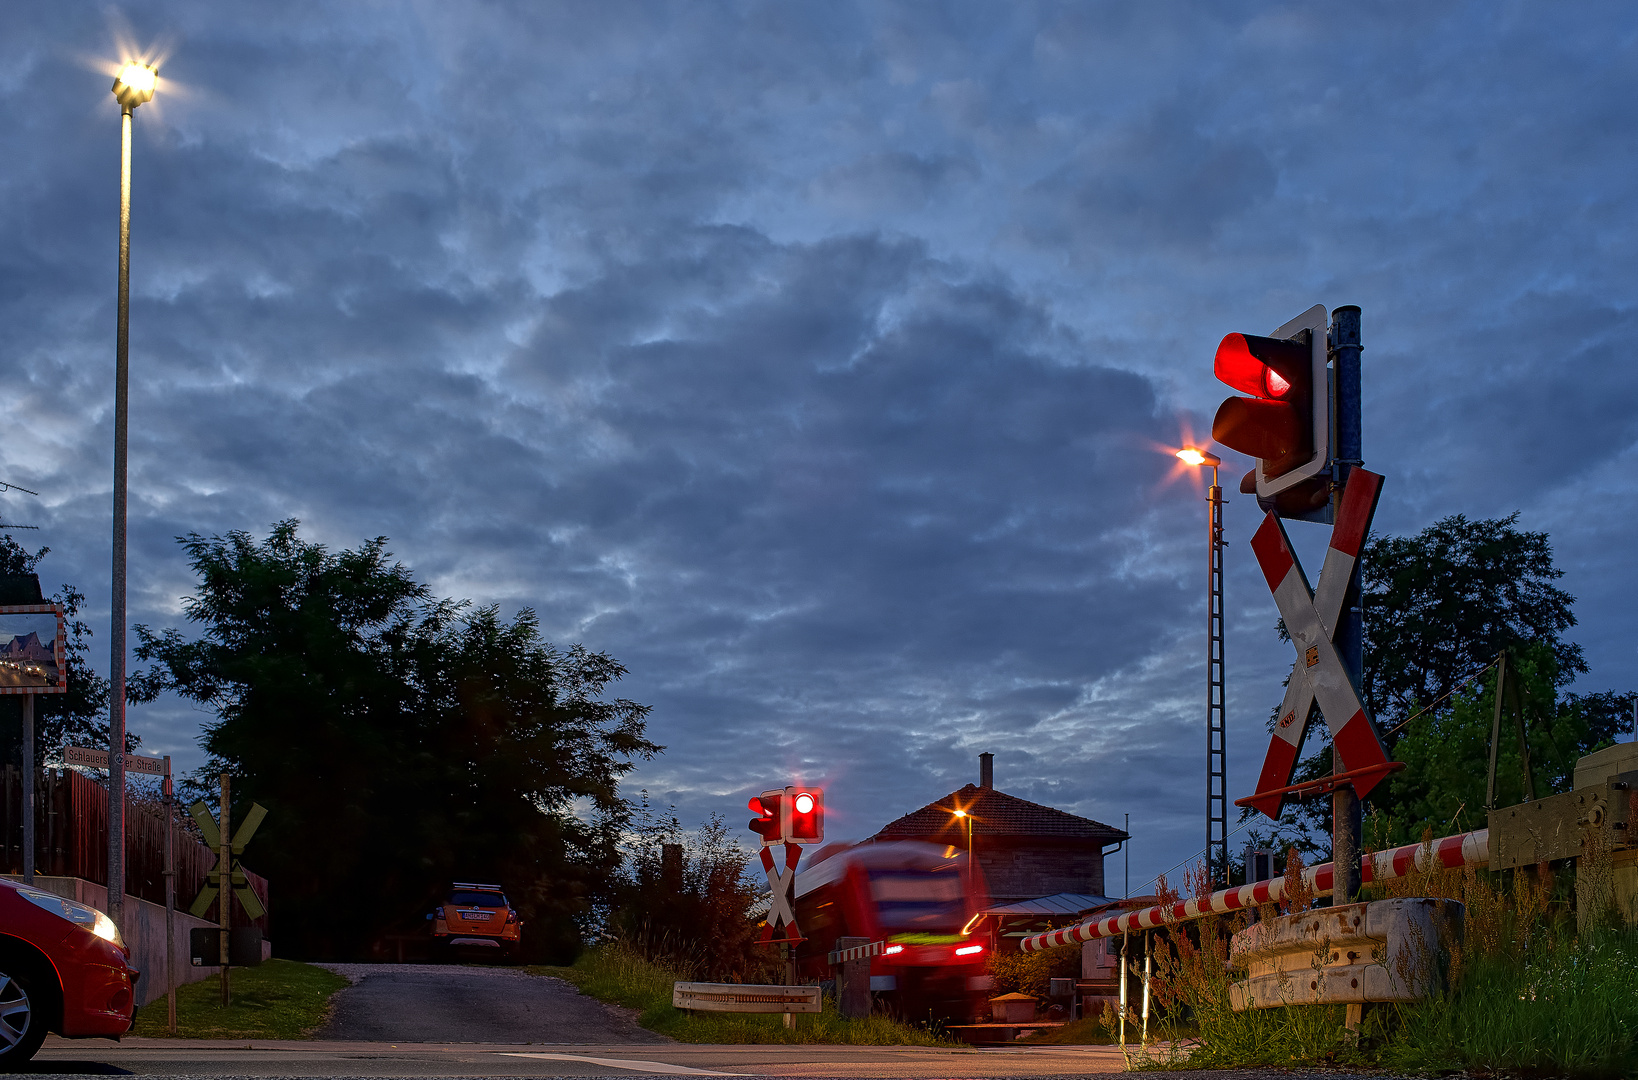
x=134, y=85
x=962, y=815
x=1217, y=865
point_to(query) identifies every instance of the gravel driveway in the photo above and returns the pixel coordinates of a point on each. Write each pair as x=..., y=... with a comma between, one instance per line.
x=453, y=1003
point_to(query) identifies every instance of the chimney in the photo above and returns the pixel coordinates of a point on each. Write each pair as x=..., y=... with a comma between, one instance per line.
x=671, y=868
x=986, y=771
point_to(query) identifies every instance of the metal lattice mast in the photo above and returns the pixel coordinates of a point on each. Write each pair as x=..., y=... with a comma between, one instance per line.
x=1217, y=864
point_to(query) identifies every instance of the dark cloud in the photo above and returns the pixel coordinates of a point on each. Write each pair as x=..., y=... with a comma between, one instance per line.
x=813, y=358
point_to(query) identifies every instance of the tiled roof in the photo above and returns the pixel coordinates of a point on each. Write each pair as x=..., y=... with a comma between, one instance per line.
x=996, y=814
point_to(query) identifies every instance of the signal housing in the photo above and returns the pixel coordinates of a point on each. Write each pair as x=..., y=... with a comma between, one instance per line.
x=1286, y=423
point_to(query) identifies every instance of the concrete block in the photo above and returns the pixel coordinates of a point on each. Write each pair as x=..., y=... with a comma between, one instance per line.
x=1381, y=951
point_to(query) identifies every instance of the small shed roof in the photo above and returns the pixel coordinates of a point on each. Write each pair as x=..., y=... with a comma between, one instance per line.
x=1064, y=903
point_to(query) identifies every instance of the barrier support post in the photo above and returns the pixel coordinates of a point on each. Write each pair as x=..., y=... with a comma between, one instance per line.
x=1125, y=939
x=853, y=981
x=1148, y=973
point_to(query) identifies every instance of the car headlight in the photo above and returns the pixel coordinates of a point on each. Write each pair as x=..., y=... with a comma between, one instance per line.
x=75, y=912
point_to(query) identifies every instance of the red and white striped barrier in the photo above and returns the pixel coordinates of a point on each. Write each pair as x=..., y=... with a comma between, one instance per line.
x=858, y=952
x=1451, y=852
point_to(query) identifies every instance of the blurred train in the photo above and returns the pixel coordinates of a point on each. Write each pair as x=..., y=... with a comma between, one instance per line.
x=916, y=897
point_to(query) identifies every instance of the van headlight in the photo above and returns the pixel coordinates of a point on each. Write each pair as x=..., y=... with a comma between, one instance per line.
x=83, y=915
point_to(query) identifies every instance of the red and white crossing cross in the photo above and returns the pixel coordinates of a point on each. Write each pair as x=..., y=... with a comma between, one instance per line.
x=1319, y=676
x=782, y=887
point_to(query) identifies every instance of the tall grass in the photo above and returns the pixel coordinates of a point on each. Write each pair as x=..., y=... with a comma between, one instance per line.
x=620, y=973
x=1569, y=1009
x=1527, y=990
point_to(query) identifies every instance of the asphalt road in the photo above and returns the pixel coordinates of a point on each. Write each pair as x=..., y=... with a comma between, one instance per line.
x=449, y=1003
x=325, y=1058
x=418, y=1020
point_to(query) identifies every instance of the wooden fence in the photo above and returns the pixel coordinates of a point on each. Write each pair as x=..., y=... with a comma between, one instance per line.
x=71, y=840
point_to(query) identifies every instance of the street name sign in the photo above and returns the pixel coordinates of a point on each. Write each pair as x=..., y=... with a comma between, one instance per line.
x=89, y=758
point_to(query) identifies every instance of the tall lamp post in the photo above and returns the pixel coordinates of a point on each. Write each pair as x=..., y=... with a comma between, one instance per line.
x=134, y=85
x=1217, y=863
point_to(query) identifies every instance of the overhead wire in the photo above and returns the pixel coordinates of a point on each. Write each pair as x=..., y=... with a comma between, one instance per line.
x=1430, y=706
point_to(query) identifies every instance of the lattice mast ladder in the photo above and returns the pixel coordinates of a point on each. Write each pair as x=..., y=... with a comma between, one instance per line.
x=1217, y=864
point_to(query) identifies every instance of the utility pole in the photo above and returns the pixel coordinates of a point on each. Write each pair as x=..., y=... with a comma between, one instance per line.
x=28, y=789
x=1346, y=823
x=224, y=888
x=170, y=900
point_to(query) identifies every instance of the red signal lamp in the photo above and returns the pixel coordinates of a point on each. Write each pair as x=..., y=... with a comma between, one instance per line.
x=1276, y=424
x=1285, y=422
x=1262, y=367
x=768, y=823
x=807, y=815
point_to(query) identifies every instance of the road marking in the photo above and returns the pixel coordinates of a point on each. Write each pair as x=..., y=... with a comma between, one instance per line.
x=624, y=1063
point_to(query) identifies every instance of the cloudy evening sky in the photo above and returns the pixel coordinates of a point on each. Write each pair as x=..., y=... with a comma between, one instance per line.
x=817, y=360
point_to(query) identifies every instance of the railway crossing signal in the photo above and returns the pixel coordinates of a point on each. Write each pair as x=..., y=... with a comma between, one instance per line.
x=789, y=816
x=792, y=815
x=806, y=815
x=239, y=882
x=769, y=822
x=781, y=896
x=1287, y=422
x=1319, y=676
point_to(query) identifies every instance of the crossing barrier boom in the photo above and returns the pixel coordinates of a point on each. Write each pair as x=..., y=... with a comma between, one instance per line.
x=1450, y=853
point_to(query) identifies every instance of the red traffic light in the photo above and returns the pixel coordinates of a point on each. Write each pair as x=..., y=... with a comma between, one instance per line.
x=768, y=823
x=1263, y=367
x=1277, y=425
x=806, y=810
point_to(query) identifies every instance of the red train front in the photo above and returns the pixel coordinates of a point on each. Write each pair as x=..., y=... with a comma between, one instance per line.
x=915, y=897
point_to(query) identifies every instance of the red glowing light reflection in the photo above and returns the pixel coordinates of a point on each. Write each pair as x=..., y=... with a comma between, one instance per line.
x=1235, y=365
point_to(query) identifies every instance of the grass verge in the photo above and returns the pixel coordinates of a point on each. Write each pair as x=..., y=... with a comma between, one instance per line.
x=622, y=976
x=280, y=999
x=1530, y=989
x=1569, y=1009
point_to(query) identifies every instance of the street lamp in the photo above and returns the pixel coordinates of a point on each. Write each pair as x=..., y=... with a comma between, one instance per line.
x=134, y=85
x=1216, y=720
x=962, y=815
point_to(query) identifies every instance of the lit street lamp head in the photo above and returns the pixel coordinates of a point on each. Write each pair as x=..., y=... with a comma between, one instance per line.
x=135, y=84
x=1192, y=456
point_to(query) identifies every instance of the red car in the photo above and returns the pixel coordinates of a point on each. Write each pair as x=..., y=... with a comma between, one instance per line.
x=63, y=968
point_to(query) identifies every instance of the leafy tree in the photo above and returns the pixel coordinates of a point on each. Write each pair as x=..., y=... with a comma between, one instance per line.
x=1442, y=604
x=399, y=742
x=1447, y=752
x=697, y=908
x=78, y=717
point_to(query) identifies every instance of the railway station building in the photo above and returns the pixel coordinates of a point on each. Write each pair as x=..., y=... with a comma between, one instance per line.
x=1024, y=850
